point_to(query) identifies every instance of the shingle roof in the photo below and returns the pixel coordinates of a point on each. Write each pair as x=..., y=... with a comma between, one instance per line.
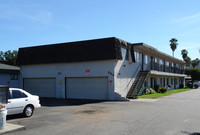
x=89, y=50
x=4, y=68
x=8, y=67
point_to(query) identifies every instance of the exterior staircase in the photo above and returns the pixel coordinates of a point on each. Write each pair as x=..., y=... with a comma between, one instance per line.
x=137, y=85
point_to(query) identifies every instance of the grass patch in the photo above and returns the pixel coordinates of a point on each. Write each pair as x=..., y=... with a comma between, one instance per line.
x=157, y=95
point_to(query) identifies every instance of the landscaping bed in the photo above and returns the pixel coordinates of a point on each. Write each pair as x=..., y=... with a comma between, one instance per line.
x=157, y=95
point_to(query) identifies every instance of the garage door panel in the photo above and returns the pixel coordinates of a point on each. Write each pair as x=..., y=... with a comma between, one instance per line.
x=41, y=87
x=87, y=88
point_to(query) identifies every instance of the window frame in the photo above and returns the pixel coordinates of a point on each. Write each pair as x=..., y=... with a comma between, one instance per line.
x=137, y=56
x=14, y=76
x=145, y=59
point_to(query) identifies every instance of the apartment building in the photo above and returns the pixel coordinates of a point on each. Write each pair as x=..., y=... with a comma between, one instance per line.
x=102, y=69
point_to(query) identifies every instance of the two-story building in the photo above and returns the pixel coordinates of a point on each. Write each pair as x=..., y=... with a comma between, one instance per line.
x=104, y=69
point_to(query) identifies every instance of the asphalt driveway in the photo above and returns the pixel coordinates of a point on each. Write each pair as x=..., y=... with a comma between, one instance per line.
x=178, y=114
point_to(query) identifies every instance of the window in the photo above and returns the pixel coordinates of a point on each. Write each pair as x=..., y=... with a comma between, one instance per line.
x=167, y=66
x=18, y=94
x=156, y=60
x=137, y=56
x=13, y=76
x=161, y=62
x=172, y=81
x=161, y=82
x=156, y=64
x=155, y=81
x=145, y=59
x=175, y=81
x=180, y=81
x=24, y=95
x=172, y=67
x=179, y=68
x=126, y=54
x=167, y=81
x=123, y=51
x=182, y=69
x=161, y=66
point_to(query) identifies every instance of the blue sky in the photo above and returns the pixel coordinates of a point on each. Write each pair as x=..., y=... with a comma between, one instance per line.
x=26, y=23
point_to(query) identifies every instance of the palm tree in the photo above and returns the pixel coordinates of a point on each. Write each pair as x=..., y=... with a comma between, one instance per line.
x=188, y=61
x=173, y=44
x=184, y=54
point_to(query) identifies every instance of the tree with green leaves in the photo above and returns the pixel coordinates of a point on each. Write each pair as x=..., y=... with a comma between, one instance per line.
x=1, y=56
x=184, y=54
x=195, y=62
x=188, y=61
x=195, y=73
x=8, y=57
x=173, y=45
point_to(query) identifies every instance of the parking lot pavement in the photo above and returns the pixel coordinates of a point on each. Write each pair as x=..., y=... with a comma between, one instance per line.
x=177, y=114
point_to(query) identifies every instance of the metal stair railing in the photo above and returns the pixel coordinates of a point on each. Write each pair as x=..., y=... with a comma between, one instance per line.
x=139, y=81
x=138, y=67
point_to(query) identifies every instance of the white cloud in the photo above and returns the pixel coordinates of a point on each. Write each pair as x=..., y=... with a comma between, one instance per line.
x=185, y=33
x=42, y=17
x=17, y=13
x=25, y=15
x=188, y=19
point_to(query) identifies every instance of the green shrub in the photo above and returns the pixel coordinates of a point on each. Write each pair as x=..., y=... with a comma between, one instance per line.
x=163, y=90
x=149, y=91
x=185, y=87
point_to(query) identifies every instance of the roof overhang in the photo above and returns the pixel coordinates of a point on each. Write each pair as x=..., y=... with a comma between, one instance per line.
x=9, y=71
x=151, y=51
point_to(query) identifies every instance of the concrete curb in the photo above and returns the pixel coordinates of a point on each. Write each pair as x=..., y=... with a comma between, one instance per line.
x=11, y=128
x=143, y=100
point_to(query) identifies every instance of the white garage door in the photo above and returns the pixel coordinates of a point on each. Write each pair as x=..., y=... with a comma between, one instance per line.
x=43, y=87
x=87, y=88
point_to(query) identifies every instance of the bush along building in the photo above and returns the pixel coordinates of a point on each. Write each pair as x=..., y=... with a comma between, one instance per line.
x=102, y=69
